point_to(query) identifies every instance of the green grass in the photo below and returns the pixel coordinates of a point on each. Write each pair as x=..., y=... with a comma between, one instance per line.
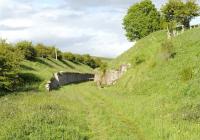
x=155, y=100
x=37, y=73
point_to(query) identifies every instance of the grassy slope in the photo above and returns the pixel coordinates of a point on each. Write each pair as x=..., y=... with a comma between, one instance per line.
x=150, y=102
x=42, y=70
x=168, y=105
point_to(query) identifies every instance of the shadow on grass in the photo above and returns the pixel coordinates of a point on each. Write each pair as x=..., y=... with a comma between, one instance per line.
x=27, y=68
x=55, y=62
x=28, y=82
x=29, y=78
x=65, y=62
x=39, y=60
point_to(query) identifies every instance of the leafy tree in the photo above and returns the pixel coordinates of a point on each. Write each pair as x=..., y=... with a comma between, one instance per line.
x=79, y=58
x=53, y=50
x=182, y=13
x=27, y=49
x=69, y=56
x=141, y=20
x=84, y=59
x=191, y=10
x=42, y=51
x=10, y=62
x=47, y=51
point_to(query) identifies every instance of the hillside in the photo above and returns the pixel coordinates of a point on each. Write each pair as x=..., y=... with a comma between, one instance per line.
x=153, y=69
x=156, y=99
x=37, y=73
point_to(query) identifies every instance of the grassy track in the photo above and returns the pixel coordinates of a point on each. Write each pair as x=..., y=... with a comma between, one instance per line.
x=85, y=112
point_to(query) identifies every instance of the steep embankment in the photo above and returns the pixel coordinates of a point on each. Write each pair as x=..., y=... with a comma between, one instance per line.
x=150, y=73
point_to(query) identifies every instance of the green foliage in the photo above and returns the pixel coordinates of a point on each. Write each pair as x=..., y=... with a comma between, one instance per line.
x=9, y=65
x=141, y=20
x=54, y=51
x=70, y=57
x=103, y=68
x=181, y=12
x=27, y=49
x=43, y=51
x=47, y=51
x=84, y=59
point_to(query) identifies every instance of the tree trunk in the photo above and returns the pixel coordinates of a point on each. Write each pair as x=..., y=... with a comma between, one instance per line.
x=186, y=23
x=56, y=54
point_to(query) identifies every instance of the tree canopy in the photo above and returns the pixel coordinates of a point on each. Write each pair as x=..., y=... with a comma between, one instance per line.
x=180, y=11
x=10, y=62
x=27, y=48
x=141, y=20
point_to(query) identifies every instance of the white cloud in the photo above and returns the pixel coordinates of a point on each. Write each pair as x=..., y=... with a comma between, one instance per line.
x=89, y=26
x=3, y=2
x=16, y=23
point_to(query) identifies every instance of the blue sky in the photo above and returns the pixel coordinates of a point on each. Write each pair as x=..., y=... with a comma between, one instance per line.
x=80, y=26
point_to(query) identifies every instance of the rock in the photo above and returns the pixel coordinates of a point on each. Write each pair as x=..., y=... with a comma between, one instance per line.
x=110, y=77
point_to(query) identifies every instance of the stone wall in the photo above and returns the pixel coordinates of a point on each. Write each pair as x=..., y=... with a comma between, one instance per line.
x=110, y=77
x=63, y=78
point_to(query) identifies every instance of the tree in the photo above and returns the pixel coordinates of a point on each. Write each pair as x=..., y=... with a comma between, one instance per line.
x=42, y=51
x=10, y=62
x=69, y=56
x=191, y=10
x=27, y=49
x=48, y=51
x=180, y=12
x=141, y=20
x=55, y=53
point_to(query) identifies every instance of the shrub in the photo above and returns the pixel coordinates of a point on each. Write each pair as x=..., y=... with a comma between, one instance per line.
x=84, y=59
x=69, y=56
x=27, y=49
x=10, y=62
x=48, y=51
x=42, y=51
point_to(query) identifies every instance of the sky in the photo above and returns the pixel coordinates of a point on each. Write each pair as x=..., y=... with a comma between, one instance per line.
x=80, y=26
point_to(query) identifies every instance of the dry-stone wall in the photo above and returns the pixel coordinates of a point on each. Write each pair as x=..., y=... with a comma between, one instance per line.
x=62, y=78
x=110, y=77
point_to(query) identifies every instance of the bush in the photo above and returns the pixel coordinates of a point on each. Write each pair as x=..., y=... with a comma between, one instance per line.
x=69, y=56
x=10, y=62
x=84, y=59
x=27, y=49
x=42, y=51
x=48, y=51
